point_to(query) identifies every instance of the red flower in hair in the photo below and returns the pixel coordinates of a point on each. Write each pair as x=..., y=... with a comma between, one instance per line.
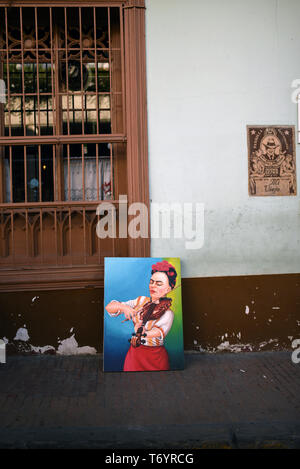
x=163, y=266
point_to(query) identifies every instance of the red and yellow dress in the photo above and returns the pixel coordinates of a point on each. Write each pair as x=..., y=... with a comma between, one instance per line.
x=152, y=355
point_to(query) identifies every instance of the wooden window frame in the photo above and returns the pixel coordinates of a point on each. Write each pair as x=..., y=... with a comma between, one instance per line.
x=47, y=278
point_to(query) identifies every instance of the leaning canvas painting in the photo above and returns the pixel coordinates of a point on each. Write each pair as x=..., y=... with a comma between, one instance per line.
x=142, y=314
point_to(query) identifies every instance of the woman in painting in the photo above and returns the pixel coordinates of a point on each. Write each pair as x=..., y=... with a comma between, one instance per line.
x=152, y=319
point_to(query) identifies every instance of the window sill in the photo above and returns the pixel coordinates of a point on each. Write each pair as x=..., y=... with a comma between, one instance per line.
x=29, y=278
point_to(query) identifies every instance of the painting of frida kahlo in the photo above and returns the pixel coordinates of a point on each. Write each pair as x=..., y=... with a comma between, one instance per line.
x=143, y=314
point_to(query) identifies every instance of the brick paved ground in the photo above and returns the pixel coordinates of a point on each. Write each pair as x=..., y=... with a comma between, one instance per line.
x=219, y=400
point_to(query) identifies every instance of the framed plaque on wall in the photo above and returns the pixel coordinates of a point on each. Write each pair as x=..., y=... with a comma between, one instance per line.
x=271, y=160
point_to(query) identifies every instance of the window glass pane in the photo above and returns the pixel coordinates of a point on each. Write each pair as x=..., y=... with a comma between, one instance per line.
x=36, y=176
x=39, y=173
x=17, y=154
x=47, y=179
x=87, y=172
x=22, y=110
x=63, y=73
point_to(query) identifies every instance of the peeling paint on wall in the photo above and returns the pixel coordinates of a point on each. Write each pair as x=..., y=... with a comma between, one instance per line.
x=69, y=346
x=234, y=347
x=45, y=349
x=22, y=334
x=226, y=346
x=231, y=317
x=266, y=342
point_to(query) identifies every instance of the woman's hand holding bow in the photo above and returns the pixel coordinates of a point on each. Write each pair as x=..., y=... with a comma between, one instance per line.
x=116, y=308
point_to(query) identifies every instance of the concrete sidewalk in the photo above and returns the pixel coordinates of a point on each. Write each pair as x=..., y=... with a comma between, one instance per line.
x=243, y=400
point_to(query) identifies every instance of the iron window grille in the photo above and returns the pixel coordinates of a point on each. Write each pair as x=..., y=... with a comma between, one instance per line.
x=62, y=131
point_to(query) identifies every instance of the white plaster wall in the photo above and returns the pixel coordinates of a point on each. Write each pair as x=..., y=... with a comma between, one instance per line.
x=213, y=67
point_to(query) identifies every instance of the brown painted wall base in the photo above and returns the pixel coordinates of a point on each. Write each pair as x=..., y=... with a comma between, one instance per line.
x=256, y=312
x=220, y=313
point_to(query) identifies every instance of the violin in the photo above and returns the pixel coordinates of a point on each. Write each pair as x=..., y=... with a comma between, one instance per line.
x=136, y=339
x=150, y=311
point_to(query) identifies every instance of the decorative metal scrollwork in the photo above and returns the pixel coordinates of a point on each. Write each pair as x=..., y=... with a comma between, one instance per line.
x=27, y=49
x=78, y=46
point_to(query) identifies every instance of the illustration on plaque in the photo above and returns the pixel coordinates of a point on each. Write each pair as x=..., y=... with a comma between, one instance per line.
x=271, y=160
x=142, y=314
